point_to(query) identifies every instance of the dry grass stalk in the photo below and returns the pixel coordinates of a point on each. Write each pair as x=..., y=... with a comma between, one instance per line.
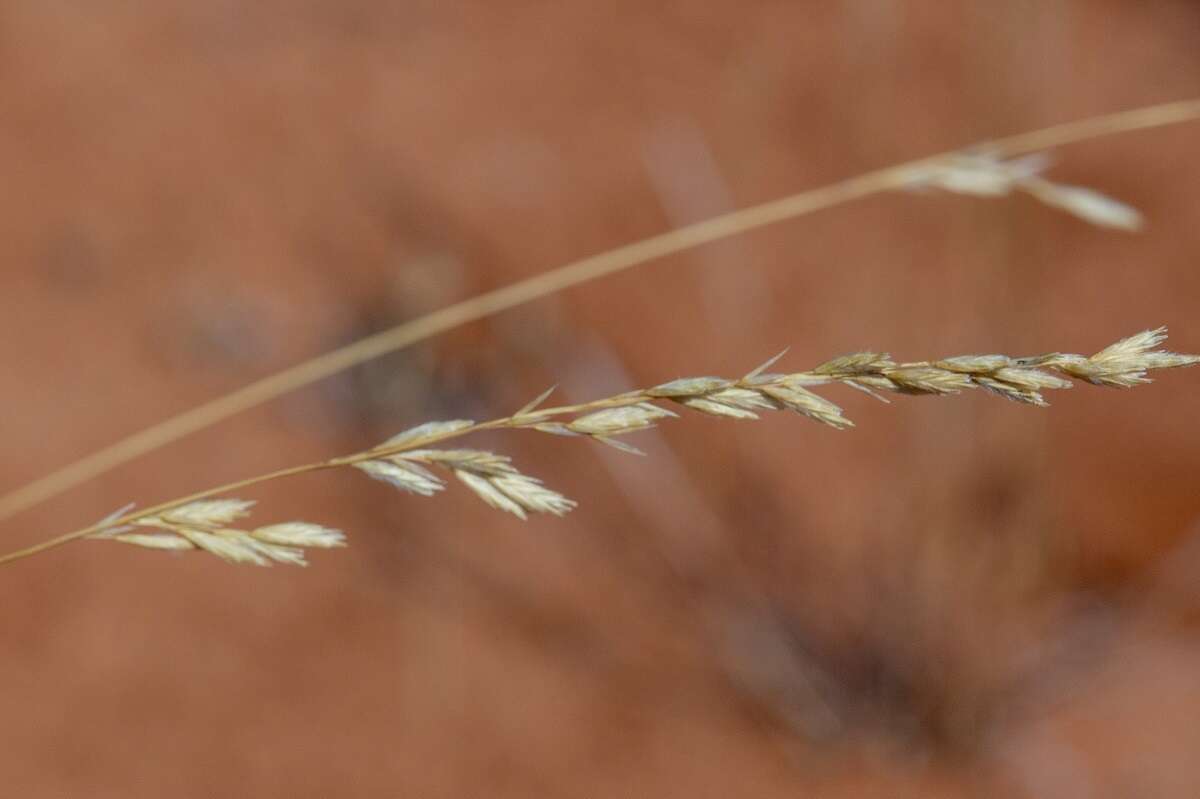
x=411, y=462
x=980, y=169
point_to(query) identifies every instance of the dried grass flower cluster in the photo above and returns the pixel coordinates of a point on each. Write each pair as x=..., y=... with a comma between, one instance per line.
x=411, y=462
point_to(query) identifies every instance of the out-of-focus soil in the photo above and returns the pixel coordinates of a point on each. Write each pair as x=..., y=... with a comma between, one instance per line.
x=960, y=597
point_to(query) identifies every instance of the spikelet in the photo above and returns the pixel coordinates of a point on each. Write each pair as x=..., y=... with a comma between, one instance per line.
x=204, y=525
x=491, y=477
x=858, y=363
x=981, y=175
x=618, y=421
x=403, y=474
x=1087, y=204
x=209, y=512
x=804, y=402
x=227, y=545
x=155, y=541
x=427, y=430
x=300, y=534
x=1123, y=364
x=977, y=175
x=689, y=387
x=924, y=379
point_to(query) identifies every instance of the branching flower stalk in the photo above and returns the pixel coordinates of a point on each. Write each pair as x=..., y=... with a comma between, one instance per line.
x=411, y=462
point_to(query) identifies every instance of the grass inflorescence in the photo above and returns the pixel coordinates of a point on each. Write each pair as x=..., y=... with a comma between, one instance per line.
x=413, y=462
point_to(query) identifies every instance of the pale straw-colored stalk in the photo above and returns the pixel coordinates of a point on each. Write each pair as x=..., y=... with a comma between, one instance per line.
x=944, y=171
x=412, y=461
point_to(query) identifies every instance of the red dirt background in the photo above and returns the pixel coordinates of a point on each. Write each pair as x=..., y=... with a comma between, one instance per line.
x=958, y=598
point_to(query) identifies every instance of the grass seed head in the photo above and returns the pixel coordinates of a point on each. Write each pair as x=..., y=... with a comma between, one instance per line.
x=206, y=524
